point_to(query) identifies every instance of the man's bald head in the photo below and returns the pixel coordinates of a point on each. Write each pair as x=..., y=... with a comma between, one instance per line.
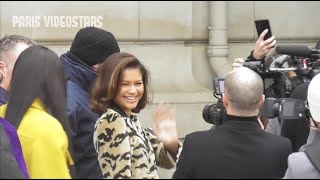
x=243, y=89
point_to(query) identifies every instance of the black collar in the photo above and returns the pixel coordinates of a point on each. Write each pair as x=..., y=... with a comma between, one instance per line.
x=76, y=59
x=118, y=109
x=242, y=118
x=249, y=123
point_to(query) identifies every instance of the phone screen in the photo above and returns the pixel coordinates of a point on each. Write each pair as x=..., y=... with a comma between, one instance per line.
x=221, y=84
x=218, y=85
x=261, y=25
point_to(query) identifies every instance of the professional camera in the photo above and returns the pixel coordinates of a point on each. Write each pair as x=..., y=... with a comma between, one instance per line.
x=215, y=113
x=256, y=66
x=304, y=61
x=300, y=59
x=284, y=108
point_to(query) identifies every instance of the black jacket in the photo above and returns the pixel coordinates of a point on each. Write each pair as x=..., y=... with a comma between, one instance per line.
x=238, y=148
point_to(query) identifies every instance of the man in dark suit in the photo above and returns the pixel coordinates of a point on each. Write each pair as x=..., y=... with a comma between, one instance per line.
x=239, y=148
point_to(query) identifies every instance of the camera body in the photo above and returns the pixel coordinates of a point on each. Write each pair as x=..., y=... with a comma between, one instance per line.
x=284, y=108
x=256, y=66
x=302, y=60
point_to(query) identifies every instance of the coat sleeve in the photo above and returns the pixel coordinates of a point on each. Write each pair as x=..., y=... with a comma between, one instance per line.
x=163, y=158
x=184, y=164
x=50, y=157
x=112, y=144
x=73, y=116
x=300, y=167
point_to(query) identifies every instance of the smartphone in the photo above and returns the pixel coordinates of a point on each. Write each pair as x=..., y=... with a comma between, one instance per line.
x=261, y=25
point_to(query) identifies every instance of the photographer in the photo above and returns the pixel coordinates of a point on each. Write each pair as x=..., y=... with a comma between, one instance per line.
x=306, y=164
x=215, y=113
x=263, y=51
x=283, y=86
x=238, y=148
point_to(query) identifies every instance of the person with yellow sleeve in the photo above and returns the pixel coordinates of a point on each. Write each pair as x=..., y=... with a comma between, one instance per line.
x=37, y=107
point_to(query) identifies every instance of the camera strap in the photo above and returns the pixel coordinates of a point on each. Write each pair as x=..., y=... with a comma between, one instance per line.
x=312, y=153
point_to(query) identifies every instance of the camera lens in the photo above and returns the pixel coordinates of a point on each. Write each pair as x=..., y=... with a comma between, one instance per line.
x=206, y=113
x=213, y=114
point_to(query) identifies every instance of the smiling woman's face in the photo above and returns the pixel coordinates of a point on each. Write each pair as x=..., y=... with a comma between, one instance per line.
x=131, y=90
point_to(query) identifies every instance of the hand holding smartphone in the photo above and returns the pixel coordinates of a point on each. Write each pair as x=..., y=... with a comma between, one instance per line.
x=261, y=25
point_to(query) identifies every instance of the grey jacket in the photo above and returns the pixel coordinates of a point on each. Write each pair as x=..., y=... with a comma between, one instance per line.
x=299, y=165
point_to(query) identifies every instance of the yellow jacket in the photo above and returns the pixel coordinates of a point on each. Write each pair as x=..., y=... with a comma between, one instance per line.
x=44, y=143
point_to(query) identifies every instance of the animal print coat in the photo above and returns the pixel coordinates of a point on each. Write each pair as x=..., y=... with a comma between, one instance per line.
x=125, y=150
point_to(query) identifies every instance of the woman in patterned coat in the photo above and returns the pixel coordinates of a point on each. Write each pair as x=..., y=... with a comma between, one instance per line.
x=125, y=149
